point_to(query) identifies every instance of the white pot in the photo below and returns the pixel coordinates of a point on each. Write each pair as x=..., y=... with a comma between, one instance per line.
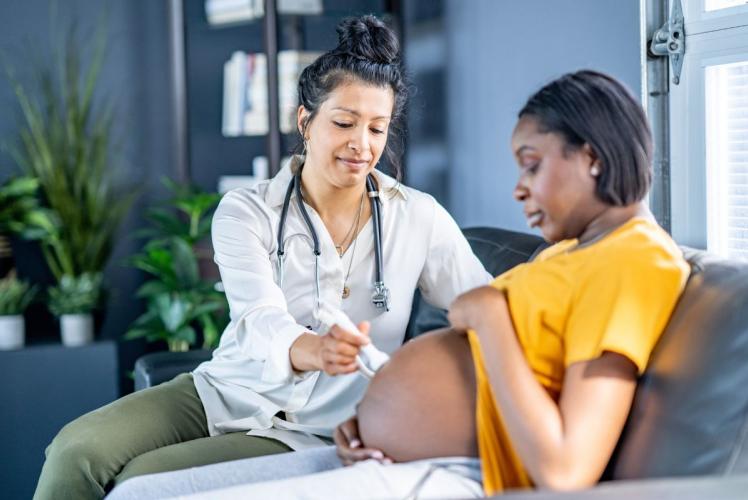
x=12, y=332
x=76, y=329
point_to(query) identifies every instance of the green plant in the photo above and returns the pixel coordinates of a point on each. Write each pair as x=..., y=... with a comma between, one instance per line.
x=190, y=221
x=17, y=202
x=15, y=295
x=170, y=317
x=75, y=294
x=65, y=143
x=179, y=301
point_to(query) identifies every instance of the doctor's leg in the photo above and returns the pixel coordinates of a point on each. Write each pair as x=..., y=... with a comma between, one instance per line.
x=90, y=451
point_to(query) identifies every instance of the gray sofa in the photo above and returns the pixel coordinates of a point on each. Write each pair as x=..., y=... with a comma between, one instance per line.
x=687, y=434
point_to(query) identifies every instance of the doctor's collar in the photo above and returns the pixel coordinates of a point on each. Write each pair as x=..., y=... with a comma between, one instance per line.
x=389, y=187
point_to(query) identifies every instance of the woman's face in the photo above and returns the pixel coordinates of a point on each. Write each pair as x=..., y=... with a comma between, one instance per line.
x=347, y=136
x=556, y=187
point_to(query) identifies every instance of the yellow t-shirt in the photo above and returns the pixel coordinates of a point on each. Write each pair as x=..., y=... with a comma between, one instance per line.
x=571, y=304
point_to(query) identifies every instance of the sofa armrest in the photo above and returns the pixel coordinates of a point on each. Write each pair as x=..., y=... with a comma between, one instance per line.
x=683, y=488
x=157, y=367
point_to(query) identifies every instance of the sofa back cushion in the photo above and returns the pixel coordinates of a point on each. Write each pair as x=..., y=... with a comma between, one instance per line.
x=690, y=412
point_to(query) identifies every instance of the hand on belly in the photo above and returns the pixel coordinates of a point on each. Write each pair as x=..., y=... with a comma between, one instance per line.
x=422, y=403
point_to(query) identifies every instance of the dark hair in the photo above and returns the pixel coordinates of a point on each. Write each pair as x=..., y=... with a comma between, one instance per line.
x=368, y=51
x=592, y=108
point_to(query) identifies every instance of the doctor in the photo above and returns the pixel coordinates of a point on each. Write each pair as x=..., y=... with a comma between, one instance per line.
x=329, y=231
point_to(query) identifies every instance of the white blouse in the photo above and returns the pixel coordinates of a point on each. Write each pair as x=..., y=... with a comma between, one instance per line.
x=250, y=378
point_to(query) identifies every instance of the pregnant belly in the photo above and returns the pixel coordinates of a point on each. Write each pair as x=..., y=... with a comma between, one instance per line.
x=421, y=404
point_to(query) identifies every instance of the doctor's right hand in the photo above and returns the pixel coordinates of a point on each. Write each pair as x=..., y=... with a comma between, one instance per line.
x=333, y=353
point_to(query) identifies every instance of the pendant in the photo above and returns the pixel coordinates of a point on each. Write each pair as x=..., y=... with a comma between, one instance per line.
x=339, y=248
x=346, y=292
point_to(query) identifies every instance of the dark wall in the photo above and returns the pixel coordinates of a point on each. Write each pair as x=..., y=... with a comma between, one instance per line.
x=136, y=76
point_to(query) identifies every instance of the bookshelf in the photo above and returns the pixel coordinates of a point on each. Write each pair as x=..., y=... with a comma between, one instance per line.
x=198, y=51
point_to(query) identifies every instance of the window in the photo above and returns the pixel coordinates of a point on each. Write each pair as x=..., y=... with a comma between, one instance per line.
x=709, y=130
x=726, y=92
x=710, y=5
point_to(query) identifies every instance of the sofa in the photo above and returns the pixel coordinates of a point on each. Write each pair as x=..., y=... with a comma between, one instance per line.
x=687, y=433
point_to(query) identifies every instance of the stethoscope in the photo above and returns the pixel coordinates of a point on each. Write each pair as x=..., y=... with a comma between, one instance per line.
x=381, y=295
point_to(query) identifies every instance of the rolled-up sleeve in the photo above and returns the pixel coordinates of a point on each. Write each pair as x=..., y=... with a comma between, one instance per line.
x=264, y=328
x=451, y=267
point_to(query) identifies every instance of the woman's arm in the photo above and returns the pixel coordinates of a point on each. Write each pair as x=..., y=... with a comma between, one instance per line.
x=264, y=329
x=565, y=445
x=333, y=353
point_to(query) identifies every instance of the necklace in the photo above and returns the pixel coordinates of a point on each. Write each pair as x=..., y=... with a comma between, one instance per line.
x=346, y=290
x=340, y=247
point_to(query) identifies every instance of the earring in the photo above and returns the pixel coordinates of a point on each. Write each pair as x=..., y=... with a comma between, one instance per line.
x=594, y=171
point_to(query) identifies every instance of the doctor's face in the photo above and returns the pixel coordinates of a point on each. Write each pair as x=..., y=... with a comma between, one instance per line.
x=555, y=184
x=348, y=135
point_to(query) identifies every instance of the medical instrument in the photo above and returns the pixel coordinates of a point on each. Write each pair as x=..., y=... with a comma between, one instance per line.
x=381, y=296
x=370, y=359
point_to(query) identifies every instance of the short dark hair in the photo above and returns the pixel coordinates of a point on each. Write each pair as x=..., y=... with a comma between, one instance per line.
x=588, y=107
x=368, y=50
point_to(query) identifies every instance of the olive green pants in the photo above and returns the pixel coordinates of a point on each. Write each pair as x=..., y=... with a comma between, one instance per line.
x=159, y=429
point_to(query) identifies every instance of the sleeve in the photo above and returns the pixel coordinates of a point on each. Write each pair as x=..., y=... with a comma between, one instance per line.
x=264, y=328
x=451, y=267
x=623, y=305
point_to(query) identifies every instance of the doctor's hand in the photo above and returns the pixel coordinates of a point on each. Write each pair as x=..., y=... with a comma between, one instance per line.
x=349, y=447
x=333, y=353
x=339, y=348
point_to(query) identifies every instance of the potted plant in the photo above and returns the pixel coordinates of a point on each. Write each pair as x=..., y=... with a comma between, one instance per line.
x=19, y=208
x=15, y=297
x=73, y=300
x=182, y=305
x=65, y=142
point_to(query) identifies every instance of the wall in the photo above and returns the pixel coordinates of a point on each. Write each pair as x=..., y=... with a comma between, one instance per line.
x=499, y=52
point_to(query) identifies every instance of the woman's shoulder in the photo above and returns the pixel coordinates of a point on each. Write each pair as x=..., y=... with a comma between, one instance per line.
x=246, y=207
x=640, y=244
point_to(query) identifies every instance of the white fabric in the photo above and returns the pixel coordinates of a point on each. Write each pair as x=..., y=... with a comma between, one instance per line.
x=426, y=479
x=250, y=377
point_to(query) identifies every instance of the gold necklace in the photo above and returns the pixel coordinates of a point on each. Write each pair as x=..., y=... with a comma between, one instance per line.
x=346, y=290
x=340, y=246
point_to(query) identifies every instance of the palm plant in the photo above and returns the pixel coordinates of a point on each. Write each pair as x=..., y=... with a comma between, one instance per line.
x=65, y=143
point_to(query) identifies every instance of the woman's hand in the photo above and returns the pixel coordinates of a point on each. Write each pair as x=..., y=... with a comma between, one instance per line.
x=469, y=309
x=349, y=447
x=333, y=353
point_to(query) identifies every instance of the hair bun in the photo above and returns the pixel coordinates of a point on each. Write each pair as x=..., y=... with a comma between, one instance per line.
x=367, y=37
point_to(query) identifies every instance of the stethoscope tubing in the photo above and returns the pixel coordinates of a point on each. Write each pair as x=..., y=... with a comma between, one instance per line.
x=379, y=287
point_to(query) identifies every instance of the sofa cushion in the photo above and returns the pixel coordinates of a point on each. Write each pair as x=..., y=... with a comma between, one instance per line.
x=498, y=249
x=690, y=412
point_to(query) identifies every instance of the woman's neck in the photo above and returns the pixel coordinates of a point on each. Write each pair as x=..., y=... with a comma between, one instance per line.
x=610, y=218
x=327, y=200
